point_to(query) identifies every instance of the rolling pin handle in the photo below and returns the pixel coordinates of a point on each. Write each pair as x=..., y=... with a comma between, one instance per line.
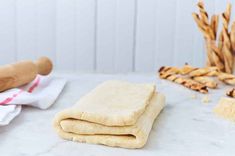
x=44, y=66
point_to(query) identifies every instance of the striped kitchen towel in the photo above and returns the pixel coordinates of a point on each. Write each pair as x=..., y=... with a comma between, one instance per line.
x=40, y=93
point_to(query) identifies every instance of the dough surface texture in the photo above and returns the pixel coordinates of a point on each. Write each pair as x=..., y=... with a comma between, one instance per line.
x=115, y=113
x=226, y=108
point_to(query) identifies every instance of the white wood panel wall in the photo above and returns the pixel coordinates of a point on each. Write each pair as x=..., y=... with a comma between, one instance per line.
x=103, y=35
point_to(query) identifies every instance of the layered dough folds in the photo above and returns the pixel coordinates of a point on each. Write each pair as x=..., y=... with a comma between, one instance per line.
x=115, y=113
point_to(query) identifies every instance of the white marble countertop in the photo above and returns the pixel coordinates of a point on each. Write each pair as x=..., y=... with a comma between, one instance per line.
x=186, y=127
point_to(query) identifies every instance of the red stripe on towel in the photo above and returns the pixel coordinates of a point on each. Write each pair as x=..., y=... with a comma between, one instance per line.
x=9, y=99
x=35, y=84
x=30, y=90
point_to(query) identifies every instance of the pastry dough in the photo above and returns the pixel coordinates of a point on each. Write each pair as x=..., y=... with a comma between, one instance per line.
x=116, y=113
x=226, y=108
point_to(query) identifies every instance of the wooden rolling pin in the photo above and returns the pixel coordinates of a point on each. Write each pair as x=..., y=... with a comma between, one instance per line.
x=23, y=72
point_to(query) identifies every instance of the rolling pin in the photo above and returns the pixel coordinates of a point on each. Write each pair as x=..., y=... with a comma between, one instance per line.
x=23, y=72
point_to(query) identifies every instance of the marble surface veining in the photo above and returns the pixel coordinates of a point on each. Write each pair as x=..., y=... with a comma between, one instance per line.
x=186, y=127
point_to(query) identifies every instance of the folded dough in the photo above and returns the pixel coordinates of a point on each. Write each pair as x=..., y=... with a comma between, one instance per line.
x=115, y=113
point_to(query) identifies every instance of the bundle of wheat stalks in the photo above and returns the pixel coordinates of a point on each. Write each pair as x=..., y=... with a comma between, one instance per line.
x=220, y=50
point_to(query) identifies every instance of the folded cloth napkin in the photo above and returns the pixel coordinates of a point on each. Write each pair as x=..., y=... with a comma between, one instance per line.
x=40, y=93
x=115, y=113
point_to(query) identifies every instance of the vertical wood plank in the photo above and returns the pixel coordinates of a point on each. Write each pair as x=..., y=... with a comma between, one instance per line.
x=198, y=48
x=184, y=33
x=165, y=32
x=46, y=14
x=124, y=35
x=26, y=29
x=85, y=35
x=115, y=31
x=145, y=36
x=105, y=43
x=198, y=43
x=65, y=35
x=7, y=31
